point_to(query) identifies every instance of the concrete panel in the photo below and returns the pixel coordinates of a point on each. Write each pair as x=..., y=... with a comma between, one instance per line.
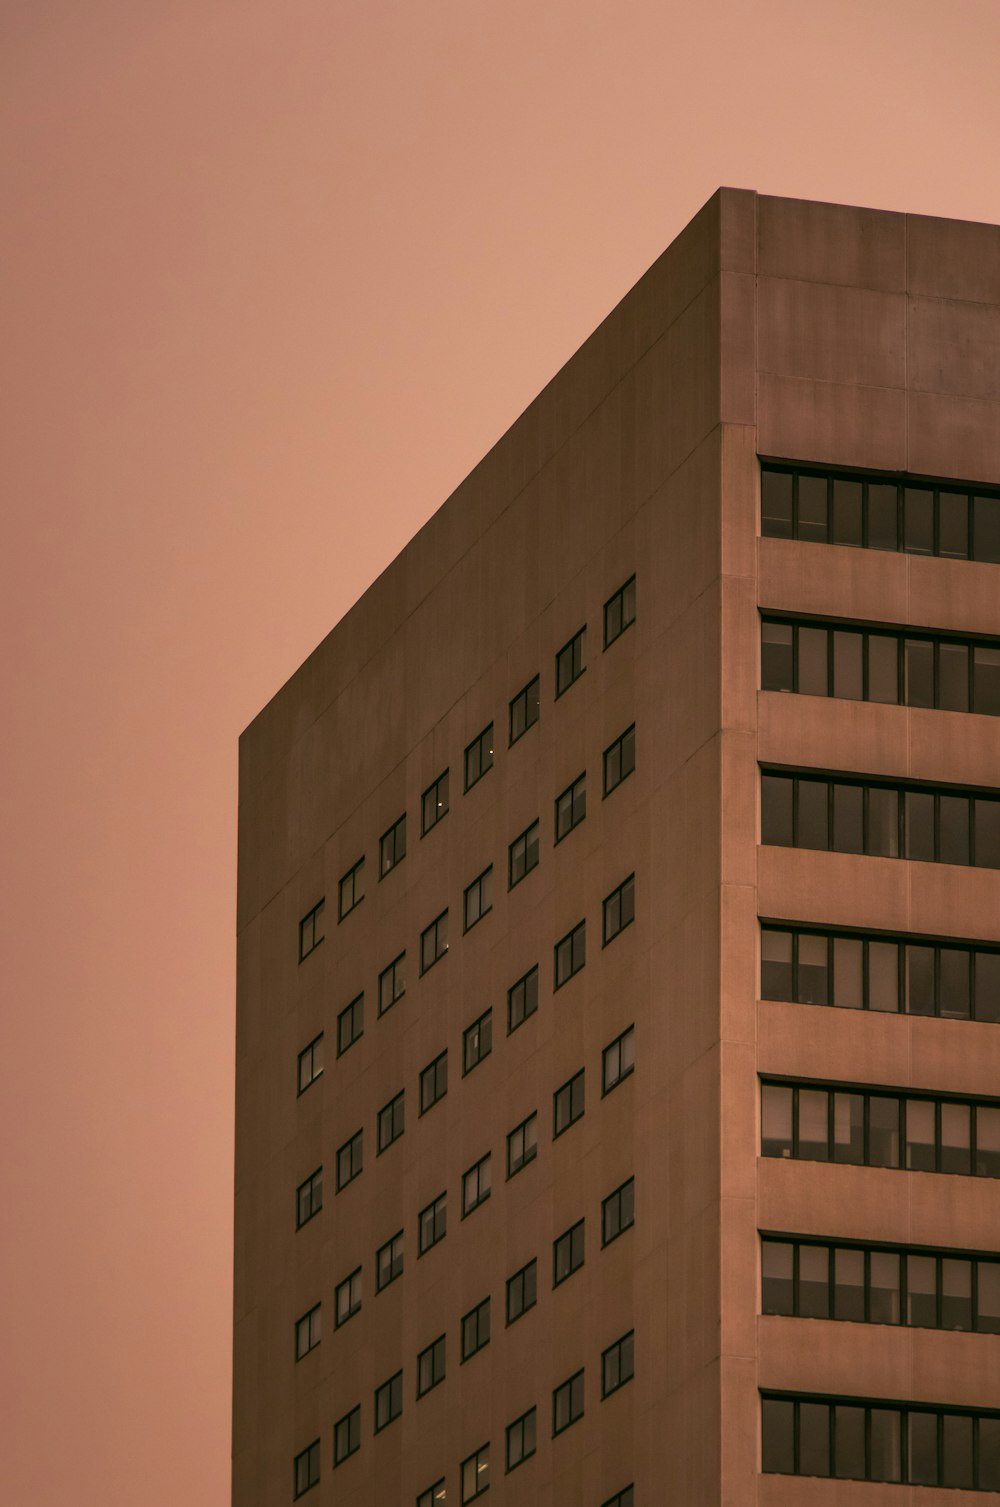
x=841, y=424
x=830, y=333
x=831, y=243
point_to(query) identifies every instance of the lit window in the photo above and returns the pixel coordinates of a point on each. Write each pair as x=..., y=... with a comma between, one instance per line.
x=434, y=803
x=434, y=1496
x=476, y=1474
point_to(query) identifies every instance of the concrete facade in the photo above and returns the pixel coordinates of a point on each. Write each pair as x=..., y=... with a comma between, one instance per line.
x=801, y=332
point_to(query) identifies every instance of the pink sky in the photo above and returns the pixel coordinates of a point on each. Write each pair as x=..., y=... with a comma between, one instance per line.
x=275, y=277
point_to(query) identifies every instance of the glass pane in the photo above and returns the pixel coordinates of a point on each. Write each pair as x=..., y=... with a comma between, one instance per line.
x=847, y=665
x=849, y=1285
x=814, y=1439
x=883, y=1131
x=812, y=508
x=814, y=1282
x=848, y=1128
x=847, y=963
x=921, y=1291
x=986, y=681
x=989, y=1454
x=776, y=965
x=920, y=1135
x=884, y=1287
x=776, y=1276
x=846, y=512
x=923, y=1466
x=987, y=820
x=776, y=504
x=777, y=1419
x=918, y=515
x=814, y=981
x=988, y=986
x=986, y=528
x=813, y=1104
x=988, y=1301
x=811, y=831
x=848, y=818
x=956, y=1138
x=987, y=1141
x=776, y=810
x=919, y=809
x=886, y=1451
x=954, y=829
x=775, y=657
x=883, y=976
x=953, y=677
x=775, y=1120
x=919, y=672
x=883, y=668
x=956, y=1450
x=953, y=525
x=954, y=997
x=919, y=980
x=813, y=677
x=849, y=1436
x=883, y=822
x=956, y=1294
x=882, y=529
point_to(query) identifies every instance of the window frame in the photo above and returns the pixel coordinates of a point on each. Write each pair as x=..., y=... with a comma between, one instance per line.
x=527, y=1420
x=625, y=1039
x=436, y=1350
x=573, y=648
x=388, y=1130
x=395, y=973
x=618, y=747
x=394, y=1271
x=528, y=986
x=309, y=1051
x=438, y=793
x=475, y=1313
x=313, y=1185
x=569, y=1389
x=352, y=1421
x=621, y=1351
x=569, y=943
x=347, y=888
x=624, y=602
x=575, y=788
x=311, y=1457
x=349, y=1282
x=432, y=1495
x=529, y=1148
x=530, y=694
x=484, y=1025
x=574, y=1114
x=353, y=1011
x=615, y=921
x=569, y=1252
x=437, y=1209
x=390, y=1392
x=355, y=1149
x=481, y=891
x=615, y=1202
x=527, y=1278
x=530, y=854
x=392, y=844
x=437, y=1069
x=308, y=939
x=313, y=1320
x=476, y=1460
x=478, y=1170
x=479, y=742
x=433, y=933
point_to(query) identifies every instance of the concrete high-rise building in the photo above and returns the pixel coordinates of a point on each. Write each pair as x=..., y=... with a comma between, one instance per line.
x=618, y=1064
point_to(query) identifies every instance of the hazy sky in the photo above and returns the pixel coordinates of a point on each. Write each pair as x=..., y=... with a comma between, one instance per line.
x=275, y=276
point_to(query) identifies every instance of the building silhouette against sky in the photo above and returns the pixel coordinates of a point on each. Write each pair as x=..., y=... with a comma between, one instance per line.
x=618, y=1062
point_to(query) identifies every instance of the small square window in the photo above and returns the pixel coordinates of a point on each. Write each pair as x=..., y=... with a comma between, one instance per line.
x=569, y=663
x=522, y=999
x=392, y=983
x=434, y=942
x=619, y=760
x=308, y=1331
x=619, y=909
x=571, y=807
x=311, y=930
x=619, y=612
x=567, y=1253
x=390, y=1121
x=522, y=1144
x=389, y=1262
x=479, y=757
x=347, y=1298
x=434, y=1496
x=476, y=1185
x=618, y=1059
x=479, y=898
x=618, y=1212
x=523, y=855
x=352, y=889
x=475, y=1329
x=350, y=1024
x=434, y=804
x=350, y=1160
x=521, y=1439
x=430, y=1366
x=309, y=1198
x=571, y=954
x=347, y=1436
x=392, y=847
x=433, y=1082
x=311, y=1063
x=567, y=1403
x=477, y=1041
x=475, y=1473
x=618, y=1364
x=388, y=1401
x=306, y=1469
x=432, y=1224
x=522, y=1291
x=524, y=709
x=567, y=1104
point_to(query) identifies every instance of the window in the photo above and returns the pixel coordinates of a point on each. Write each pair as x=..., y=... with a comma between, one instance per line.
x=571, y=953
x=522, y=1144
x=621, y=1498
x=392, y=983
x=309, y=1198
x=618, y=1364
x=432, y=1224
x=475, y=1329
x=567, y=1104
x=311, y=932
x=390, y=1121
x=347, y=1298
x=349, y=1160
x=569, y=663
x=618, y=1059
x=352, y=889
x=619, y=612
x=618, y=1212
x=388, y=1401
x=477, y=1041
x=522, y=1291
x=846, y=1123
x=522, y=855
x=521, y=1439
x=308, y=1331
x=433, y=1082
x=392, y=847
x=524, y=710
x=350, y=1024
x=311, y=1063
x=876, y=512
x=430, y=1366
x=434, y=942
x=434, y=804
x=347, y=1435
x=479, y=757
x=476, y=1474
x=567, y=1403
x=571, y=807
x=909, y=975
x=619, y=760
x=619, y=909
x=857, y=1440
x=306, y=1469
x=479, y=898
x=434, y=1496
x=522, y=999
x=476, y=1185
x=567, y=1253
x=389, y=1262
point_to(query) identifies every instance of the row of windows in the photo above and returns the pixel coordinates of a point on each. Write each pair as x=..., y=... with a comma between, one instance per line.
x=918, y=1132
x=816, y=1279
x=897, y=668
x=941, y=824
x=856, y=1440
x=873, y=512
x=898, y=975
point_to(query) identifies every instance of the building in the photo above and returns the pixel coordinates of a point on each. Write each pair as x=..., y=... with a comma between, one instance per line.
x=618, y=1068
